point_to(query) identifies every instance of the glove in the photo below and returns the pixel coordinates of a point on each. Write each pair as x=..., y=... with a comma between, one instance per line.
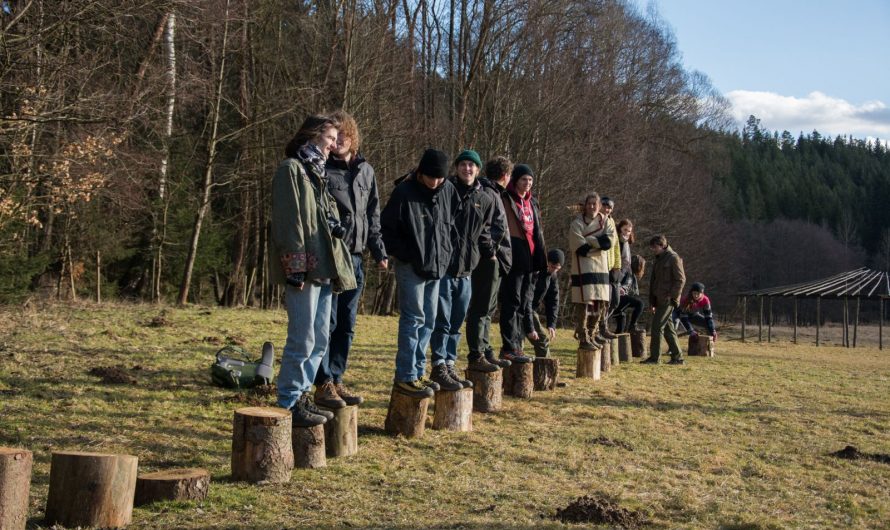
x=296, y=279
x=604, y=241
x=583, y=250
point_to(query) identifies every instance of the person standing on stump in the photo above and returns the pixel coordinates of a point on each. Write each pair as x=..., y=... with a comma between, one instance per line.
x=547, y=291
x=529, y=257
x=472, y=244
x=695, y=308
x=665, y=287
x=589, y=243
x=416, y=226
x=310, y=259
x=352, y=183
x=607, y=205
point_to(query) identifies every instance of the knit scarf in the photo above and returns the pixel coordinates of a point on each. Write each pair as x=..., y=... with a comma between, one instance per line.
x=526, y=216
x=312, y=157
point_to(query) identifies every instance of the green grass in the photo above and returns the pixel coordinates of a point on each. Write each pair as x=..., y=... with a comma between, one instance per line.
x=738, y=441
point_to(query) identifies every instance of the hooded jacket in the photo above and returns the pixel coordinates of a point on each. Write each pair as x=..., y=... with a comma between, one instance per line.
x=500, y=234
x=471, y=234
x=354, y=187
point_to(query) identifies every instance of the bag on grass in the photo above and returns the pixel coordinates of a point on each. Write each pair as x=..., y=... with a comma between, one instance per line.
x=234, y=368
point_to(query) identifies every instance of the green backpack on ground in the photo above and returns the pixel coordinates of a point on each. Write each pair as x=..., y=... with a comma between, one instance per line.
x=234, y=368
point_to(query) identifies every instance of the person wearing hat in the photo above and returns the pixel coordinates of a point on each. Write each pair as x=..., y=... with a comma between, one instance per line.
x=547, y=291
x=416, y=227
x=529, y=257
x=607, y=206
x=665, y=287
x=471, y=243
x=695, y=308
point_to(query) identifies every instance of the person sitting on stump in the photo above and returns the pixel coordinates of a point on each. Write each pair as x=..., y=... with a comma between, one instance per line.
x=695, y=308
x=630, y=296
x=665, y=288
x=416, y=227
x=547, y=291
x=589, y=243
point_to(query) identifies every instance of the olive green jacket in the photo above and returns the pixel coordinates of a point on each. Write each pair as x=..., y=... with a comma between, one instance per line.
x=667, y=280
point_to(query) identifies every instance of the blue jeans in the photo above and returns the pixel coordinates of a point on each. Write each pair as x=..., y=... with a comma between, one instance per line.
x=418, y=298
x=308, y=321
x=454, y=299
x=344, y=308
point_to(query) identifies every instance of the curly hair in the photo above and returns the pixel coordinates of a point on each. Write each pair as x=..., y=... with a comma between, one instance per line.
x=498, y=167
x=347, y=126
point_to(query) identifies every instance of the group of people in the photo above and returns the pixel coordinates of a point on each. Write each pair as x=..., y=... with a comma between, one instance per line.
x=462, y=245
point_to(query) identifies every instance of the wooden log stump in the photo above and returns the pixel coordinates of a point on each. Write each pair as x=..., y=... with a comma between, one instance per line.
x=587, y=364
x=519, y=380
x=606, y=357
x=91, y=489
x=189, y=484
x=701, y=345
x=261, y=445
x=488, y=390
x=613, y=349
x=341, y=433
x=309, y=447
x=546, y=373
x=15, y=485
x=406, y=415
x=625, y=352
x=454, y=410
x=638, y=343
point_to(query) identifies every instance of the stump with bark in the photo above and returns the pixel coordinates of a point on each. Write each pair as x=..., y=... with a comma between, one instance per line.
x=638, y=343
x=15, y=484
x=606, y=357
x=546, y=373
x=587, y=364
x=613, y=349
x=488, y=390
x=454, y=410
x=406, y=414
x=341, y=433
x=701, y=345
x=91, y=489
x=625, y=353
x=519, y=380
x=309, y=447
x=261, y=445
x=190, y=484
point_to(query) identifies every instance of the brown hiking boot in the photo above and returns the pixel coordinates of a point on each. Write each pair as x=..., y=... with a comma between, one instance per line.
x=604, y=331
x=347, y=395
x=326, y=396
x=481, y=364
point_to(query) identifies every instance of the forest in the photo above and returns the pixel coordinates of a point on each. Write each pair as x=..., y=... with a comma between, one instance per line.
x=138, y=138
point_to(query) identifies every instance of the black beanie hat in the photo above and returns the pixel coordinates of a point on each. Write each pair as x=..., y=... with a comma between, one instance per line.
x=433, y=163
x=697, y=286
x=556, y=256
x=607, y=201
x=521, y=170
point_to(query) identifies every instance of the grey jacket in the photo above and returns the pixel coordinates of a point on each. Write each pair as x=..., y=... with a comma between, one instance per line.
x=354, y=187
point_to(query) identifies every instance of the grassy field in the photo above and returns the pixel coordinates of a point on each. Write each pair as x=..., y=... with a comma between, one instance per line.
x=738, y=441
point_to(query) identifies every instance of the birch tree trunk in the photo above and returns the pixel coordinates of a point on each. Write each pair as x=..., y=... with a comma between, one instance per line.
x=160, y=231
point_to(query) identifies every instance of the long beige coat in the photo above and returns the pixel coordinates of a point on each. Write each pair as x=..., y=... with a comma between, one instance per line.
x=590, y=272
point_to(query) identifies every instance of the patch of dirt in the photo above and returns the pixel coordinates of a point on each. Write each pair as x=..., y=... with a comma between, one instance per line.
x=255, y=397
x=159, y=321
x=599, y=510
x=851, y=453
x=608, y=442
x=113, y=375
x=236, y=340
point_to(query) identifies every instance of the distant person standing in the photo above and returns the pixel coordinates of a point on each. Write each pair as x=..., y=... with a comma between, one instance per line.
x=547, y=292
x=665, y=288
x=615, y=263
x=695, y=308
x=589, y=244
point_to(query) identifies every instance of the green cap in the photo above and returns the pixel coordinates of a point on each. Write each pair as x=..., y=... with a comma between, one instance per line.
x=472, y=156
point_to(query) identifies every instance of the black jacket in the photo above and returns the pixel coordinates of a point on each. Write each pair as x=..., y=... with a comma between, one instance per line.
x=547, y=289
x=416, y=224
x=471, y=234
x=500, y=235
x=524, y=260
x=354, y=187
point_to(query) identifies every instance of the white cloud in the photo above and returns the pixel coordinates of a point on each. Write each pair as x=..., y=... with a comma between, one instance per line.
x=817, y=111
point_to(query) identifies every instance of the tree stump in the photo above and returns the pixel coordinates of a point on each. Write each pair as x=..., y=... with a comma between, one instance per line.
x=406, y=415
x=546, y=373
x=638, y=343
x=519, y=380
x=309, y=447
x=606, y=357
x=702, y=345
x=488, y=390
x=454, y=410
x=91, y=489
x=190, y=484
x=625, y=353
x=341, y=433
x=261, y=445
x=587, y=364
x=15, y=485
x=613, y=349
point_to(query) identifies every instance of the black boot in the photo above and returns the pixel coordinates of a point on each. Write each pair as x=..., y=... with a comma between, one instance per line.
x=301, y=417
x=491, y=358
x=441, y=376
x=465, y=383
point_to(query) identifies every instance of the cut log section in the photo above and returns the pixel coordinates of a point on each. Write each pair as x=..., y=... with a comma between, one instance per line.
x=261, y=445
x=15, y=485
x=588, y=364
x=702, y=345
x=341, y=433
x=406, y=415
x=613, y=349
x=454, y=410
x=638, y=343
x=190, y=484
x=625, y=353
x=488, y=390
x=546, y=373
x=519, y=380
x=309, y=447
x=606, y=357
x=91, y=489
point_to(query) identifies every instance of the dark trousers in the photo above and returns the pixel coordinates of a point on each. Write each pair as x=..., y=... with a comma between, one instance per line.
x=485, y=281
x=627, y=302
x=688, y=319
x=344, y=308
x=517, y=290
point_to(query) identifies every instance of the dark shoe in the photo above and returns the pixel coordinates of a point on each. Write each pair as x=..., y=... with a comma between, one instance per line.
x=347, y=395
x=304, y=418
x=589, y=346
x=607, y=334
x=326, y=396
x=503, y=363
x=428, y=383
x=515, y=357
x=650, y=360
x=413, y=389
x=441, y=375
x=465, y=383
x=481, y=364
x=599, y=339
x=543, y=354
x=676, y=361
x=309, y=405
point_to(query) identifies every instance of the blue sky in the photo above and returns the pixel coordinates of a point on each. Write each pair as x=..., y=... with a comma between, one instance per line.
x=795, y=64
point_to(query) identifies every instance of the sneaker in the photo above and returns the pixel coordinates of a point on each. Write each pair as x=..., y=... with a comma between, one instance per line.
x=649, y=360
x=309, y=405
x=442, y=376
x=515, y=357
x=489, y=356
x=301, y=417
x=347, y=395
x=481, y=364
x=326, y=396
x=413, y=389
x=464, y=383
x=429, y=383
x=676, y=361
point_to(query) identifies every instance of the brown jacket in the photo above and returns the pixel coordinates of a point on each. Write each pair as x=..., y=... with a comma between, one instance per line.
x=667, y=278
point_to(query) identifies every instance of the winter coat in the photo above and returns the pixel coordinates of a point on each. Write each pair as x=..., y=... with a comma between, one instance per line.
x=668, y=277
x=416, y=225
x=301, y=207
x=547, y=291
x=500, y=234
x=590, y=271
x=615, y=251
x=471, y=233
x=524, y=261
x=354, y=187
x=629, y=284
